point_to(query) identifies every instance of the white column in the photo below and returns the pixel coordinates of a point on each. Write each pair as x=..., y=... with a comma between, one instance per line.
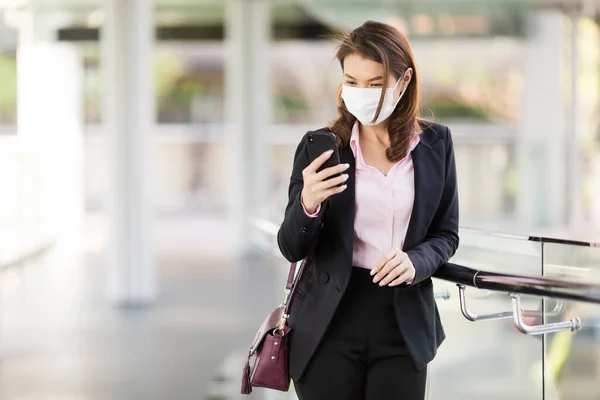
x=248, y=110
x=541, y=141
x=49, y=123
x=128, y=113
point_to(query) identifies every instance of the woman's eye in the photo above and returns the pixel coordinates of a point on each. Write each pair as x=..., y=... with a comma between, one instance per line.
x=376, y=84
x=350, y=83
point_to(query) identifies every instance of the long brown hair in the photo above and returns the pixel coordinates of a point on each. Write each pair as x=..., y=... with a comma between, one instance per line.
x=384, y=44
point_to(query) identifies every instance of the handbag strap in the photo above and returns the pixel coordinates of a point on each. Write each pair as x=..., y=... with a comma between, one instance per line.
x=292, y=284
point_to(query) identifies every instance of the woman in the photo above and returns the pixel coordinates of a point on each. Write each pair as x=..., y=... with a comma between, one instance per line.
x=364, y=321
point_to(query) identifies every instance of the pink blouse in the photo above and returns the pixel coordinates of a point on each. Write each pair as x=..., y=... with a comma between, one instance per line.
x=383, y=205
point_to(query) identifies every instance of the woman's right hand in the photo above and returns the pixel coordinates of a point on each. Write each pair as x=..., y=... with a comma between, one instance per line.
x=317, y=187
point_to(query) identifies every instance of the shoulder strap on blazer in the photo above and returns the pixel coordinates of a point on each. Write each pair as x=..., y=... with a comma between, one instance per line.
x=292, y=284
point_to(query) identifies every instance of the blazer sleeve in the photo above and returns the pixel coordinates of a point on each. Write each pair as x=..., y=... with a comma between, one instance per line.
x=442, y=239
x=298, y=230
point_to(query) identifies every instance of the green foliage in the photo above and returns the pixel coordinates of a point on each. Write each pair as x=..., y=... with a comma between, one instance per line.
x=167, y=70
x=447, y=108
x=175, y=88
x=8, y=88
x=290, y=107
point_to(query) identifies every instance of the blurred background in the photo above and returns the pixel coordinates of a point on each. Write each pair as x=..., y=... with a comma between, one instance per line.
x=145, y=154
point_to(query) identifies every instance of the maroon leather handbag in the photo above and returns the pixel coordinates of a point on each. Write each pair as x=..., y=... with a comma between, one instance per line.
x=267, y=363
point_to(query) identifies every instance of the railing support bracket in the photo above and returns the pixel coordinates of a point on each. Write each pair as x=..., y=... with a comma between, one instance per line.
x=518, y=313
x=573, y=325
x=474, y=317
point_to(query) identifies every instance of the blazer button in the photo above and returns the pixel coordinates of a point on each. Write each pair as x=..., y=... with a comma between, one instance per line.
x=324, y=277
x=304, y=229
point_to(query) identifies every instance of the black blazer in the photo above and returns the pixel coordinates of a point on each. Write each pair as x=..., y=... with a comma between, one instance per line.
x=431, y=239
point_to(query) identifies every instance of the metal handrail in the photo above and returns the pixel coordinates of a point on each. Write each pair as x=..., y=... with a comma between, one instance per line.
x=538, y=238
x=519, y=284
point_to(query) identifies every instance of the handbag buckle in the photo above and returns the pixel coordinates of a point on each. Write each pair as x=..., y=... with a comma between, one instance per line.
x=281, y=328
x=287, y=297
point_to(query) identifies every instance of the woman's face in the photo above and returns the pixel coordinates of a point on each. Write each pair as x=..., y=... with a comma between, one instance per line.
x=363, y=73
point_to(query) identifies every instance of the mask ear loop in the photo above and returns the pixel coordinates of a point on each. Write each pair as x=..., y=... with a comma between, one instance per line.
x=404, y=90
x=398, y=81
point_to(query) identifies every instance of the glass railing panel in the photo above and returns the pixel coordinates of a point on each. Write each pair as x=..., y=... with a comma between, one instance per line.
x=572, y=359
x=485, y=359
x=580, y=263
x=498, y=252
x=488, y=359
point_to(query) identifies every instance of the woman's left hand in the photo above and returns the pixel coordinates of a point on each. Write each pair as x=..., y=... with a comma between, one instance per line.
x=393, y=269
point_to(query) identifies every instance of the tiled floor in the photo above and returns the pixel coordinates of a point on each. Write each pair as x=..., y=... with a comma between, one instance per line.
x=60, y=339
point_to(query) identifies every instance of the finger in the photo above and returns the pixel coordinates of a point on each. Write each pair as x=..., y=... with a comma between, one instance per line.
x=406, y=275
x=386, y=268
x=335, y=190
x=317, y=162
x=399, y=262
x=329, y=183
x=391, y=275
x=382, y=260
x=403, y=269
x=327, y=172
x=396, y=282
x=316, y=187
x=406, y=269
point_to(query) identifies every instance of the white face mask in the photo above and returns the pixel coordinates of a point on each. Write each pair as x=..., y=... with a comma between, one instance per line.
x=363, y=102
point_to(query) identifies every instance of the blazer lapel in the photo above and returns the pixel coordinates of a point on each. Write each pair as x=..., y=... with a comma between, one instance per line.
x=428, y=167
x=343, y=204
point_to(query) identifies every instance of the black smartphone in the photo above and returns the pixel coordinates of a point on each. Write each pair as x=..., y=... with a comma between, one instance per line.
x=318, y=143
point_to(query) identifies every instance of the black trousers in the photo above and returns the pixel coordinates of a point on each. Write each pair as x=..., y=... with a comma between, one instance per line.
x=362, y=355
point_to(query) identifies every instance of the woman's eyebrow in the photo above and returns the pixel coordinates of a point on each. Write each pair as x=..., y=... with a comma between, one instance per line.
x=370, y=80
